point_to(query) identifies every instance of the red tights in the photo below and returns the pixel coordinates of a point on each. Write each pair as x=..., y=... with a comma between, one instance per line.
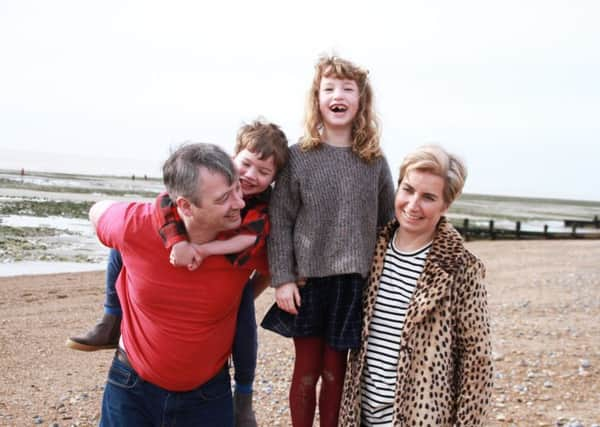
x=314, y=360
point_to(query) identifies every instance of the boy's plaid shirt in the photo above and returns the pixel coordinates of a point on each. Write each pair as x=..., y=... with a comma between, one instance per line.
x=255, y=221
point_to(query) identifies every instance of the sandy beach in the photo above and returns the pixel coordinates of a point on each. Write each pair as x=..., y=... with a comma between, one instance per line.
x=544, y=301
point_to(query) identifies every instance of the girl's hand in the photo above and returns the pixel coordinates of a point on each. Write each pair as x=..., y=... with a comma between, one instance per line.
x=288, y=297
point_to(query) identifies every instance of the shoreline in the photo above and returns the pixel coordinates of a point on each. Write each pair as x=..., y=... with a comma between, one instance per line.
x=43, y=218
x=37, y=268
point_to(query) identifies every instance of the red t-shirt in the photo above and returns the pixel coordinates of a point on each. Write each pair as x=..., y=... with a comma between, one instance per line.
x=178, y=325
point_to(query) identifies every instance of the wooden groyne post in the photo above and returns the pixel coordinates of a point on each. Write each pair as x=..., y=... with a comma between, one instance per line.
x=595, y=223
x=473, y=232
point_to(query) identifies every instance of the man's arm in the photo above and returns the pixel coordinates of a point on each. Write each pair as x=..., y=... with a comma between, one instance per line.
x=98, y=209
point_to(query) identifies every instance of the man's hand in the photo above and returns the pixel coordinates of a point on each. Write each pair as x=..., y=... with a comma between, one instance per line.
x=97, y=210
x=288, y=297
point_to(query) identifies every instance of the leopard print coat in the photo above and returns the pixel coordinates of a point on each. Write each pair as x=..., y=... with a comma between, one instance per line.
x=444, y=366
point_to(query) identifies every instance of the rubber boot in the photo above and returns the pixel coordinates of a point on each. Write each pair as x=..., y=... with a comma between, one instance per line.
x=243, y=412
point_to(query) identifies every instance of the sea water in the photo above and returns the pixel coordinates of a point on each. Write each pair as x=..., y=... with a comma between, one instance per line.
x=66, y=243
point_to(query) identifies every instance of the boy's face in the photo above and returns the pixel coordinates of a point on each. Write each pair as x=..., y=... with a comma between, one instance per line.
x=255, y=174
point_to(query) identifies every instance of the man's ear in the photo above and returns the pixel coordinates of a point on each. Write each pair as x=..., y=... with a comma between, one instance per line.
x=184, y=206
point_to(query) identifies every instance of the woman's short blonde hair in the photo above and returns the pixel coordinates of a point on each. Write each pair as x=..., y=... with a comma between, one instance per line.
x=434, y=159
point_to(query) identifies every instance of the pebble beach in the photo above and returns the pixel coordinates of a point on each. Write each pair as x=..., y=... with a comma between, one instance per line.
x=544, y=299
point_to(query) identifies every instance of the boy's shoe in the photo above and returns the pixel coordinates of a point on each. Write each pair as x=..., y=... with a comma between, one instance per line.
x=103, y=336
x=242, y=410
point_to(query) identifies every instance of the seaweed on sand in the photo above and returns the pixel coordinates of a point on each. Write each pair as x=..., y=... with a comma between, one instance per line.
x=45, y=208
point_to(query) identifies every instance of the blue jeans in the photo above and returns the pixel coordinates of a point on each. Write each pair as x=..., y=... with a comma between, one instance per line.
x=130, y=401
x=112, y=305
x=244, y=351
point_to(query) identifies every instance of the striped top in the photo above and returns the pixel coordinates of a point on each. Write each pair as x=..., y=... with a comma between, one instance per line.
x=396, y=288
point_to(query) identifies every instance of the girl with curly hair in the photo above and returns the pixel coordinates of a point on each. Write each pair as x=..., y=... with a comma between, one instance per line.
x=328, y=203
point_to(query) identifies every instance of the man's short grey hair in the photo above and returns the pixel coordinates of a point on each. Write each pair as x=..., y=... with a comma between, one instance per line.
x=181, y=171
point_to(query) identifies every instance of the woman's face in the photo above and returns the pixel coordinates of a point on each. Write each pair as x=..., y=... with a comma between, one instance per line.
x=420, y=203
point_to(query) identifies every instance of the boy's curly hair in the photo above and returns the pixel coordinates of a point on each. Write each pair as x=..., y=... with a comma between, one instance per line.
x=265, y=139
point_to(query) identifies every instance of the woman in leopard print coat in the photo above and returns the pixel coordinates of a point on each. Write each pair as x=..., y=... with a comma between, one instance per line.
x=444, y=369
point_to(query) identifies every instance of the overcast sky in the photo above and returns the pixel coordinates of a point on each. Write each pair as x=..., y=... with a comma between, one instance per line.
x=110, y=87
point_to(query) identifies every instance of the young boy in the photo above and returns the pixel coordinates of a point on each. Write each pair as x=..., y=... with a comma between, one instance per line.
x=261, y=151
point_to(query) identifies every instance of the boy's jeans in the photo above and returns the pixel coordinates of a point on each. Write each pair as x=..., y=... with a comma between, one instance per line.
x=112, y=305
x=245, y=343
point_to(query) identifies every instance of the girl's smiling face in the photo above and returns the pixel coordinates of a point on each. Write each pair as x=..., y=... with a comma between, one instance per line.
x=338, y=102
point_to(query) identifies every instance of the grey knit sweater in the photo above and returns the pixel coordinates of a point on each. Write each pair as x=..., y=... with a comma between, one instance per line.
x=325, y=211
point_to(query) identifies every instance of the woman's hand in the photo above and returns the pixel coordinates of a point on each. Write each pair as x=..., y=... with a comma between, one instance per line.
x=288, y=297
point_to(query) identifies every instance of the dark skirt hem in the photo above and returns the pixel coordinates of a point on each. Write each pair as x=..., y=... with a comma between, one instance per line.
x=331, y=308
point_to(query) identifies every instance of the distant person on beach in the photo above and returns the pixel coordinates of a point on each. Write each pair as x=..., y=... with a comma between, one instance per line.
x=261, y=151
x=327, y=205
x=425, y=354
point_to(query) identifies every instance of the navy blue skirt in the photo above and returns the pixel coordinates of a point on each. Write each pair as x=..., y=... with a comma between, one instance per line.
x=331, y=308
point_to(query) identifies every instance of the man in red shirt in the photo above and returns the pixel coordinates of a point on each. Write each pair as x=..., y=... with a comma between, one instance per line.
x=178, y=325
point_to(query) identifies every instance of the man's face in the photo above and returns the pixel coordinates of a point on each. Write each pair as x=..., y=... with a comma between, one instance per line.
x=255, y=174
x=220, y=204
